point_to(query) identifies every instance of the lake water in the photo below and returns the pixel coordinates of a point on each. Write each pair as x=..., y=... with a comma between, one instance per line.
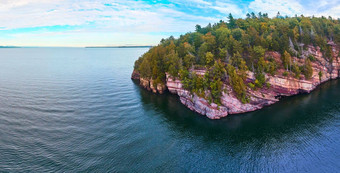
x=76, y=109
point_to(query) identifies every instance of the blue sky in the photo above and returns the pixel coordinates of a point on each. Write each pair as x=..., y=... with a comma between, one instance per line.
x=130, y=22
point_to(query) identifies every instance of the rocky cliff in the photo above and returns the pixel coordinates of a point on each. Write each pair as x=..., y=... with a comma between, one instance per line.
x=149, y=83
x=279, y=86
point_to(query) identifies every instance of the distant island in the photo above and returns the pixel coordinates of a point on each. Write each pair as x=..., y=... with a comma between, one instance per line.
x=244, y=64
x=9, y=47
x=118, y=47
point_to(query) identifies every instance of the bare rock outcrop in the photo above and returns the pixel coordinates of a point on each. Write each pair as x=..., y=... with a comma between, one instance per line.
x=193, y=102
x=135, y=75
x=149, y=83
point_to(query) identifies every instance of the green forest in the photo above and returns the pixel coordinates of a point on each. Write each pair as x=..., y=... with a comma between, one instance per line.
x=228, y=49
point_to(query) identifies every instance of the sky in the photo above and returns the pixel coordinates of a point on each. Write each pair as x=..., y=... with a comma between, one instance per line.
x=78, y=23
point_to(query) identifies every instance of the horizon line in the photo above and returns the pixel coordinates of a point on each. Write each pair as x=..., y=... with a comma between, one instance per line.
x=121, y=46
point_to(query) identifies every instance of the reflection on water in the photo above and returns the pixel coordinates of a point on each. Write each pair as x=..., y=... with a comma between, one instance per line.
x=299, y=130
x=289, y=112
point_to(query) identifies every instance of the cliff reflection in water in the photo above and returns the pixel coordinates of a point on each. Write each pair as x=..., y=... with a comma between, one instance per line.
x=298, y=133
x=304, y=113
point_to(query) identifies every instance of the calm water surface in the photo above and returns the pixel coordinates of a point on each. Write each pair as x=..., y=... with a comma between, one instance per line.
x=76, y=109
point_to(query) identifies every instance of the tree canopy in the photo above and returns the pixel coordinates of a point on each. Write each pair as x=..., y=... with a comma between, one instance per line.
x=227, y=50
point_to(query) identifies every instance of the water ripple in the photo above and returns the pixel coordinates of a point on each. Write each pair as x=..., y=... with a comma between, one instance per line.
x=77, y=110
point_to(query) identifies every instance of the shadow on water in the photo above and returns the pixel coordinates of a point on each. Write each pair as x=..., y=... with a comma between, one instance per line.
x=304, y=113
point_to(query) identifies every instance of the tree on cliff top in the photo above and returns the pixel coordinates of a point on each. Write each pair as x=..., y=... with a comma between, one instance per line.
x=231, y=22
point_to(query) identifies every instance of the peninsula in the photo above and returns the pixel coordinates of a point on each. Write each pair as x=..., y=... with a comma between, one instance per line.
x=243, y=65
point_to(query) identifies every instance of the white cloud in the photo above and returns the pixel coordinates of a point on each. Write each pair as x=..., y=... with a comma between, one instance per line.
x=285, y=7
x=192, y=2
x=292, y=7
x=137, y=16
x=200, y=2
x=93, y=19
x=321, y=8
x=227, y=8
x=121, y=16
x=82, y=39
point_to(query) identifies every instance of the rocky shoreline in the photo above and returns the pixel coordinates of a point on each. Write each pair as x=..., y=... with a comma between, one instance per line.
x=279, y=86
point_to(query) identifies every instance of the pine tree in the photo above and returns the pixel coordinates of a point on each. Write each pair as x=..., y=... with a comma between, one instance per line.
x=232, y=22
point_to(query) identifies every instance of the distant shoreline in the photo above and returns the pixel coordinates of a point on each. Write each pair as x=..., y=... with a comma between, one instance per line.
x=118, y=47
x=9, y=47
x=79, y=47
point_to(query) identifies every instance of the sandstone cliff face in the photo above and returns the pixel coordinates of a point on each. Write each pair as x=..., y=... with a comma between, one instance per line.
x=135, y=75
x=280, y=86
x=230, y=104
x=149, y=83
x=193, y=102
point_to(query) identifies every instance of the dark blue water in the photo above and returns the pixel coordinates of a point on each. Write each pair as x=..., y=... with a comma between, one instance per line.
x=76, y=109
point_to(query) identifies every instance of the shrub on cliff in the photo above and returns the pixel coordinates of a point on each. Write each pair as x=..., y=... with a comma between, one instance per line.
x=320, y=75
x=285, y=74
x=211, y=81
x=286, y=61
x=237, y=84
x=271, y=66
x=174, y=64
x=296, y=70
x=307, y=69
x=311, y=58
x=145, y=69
